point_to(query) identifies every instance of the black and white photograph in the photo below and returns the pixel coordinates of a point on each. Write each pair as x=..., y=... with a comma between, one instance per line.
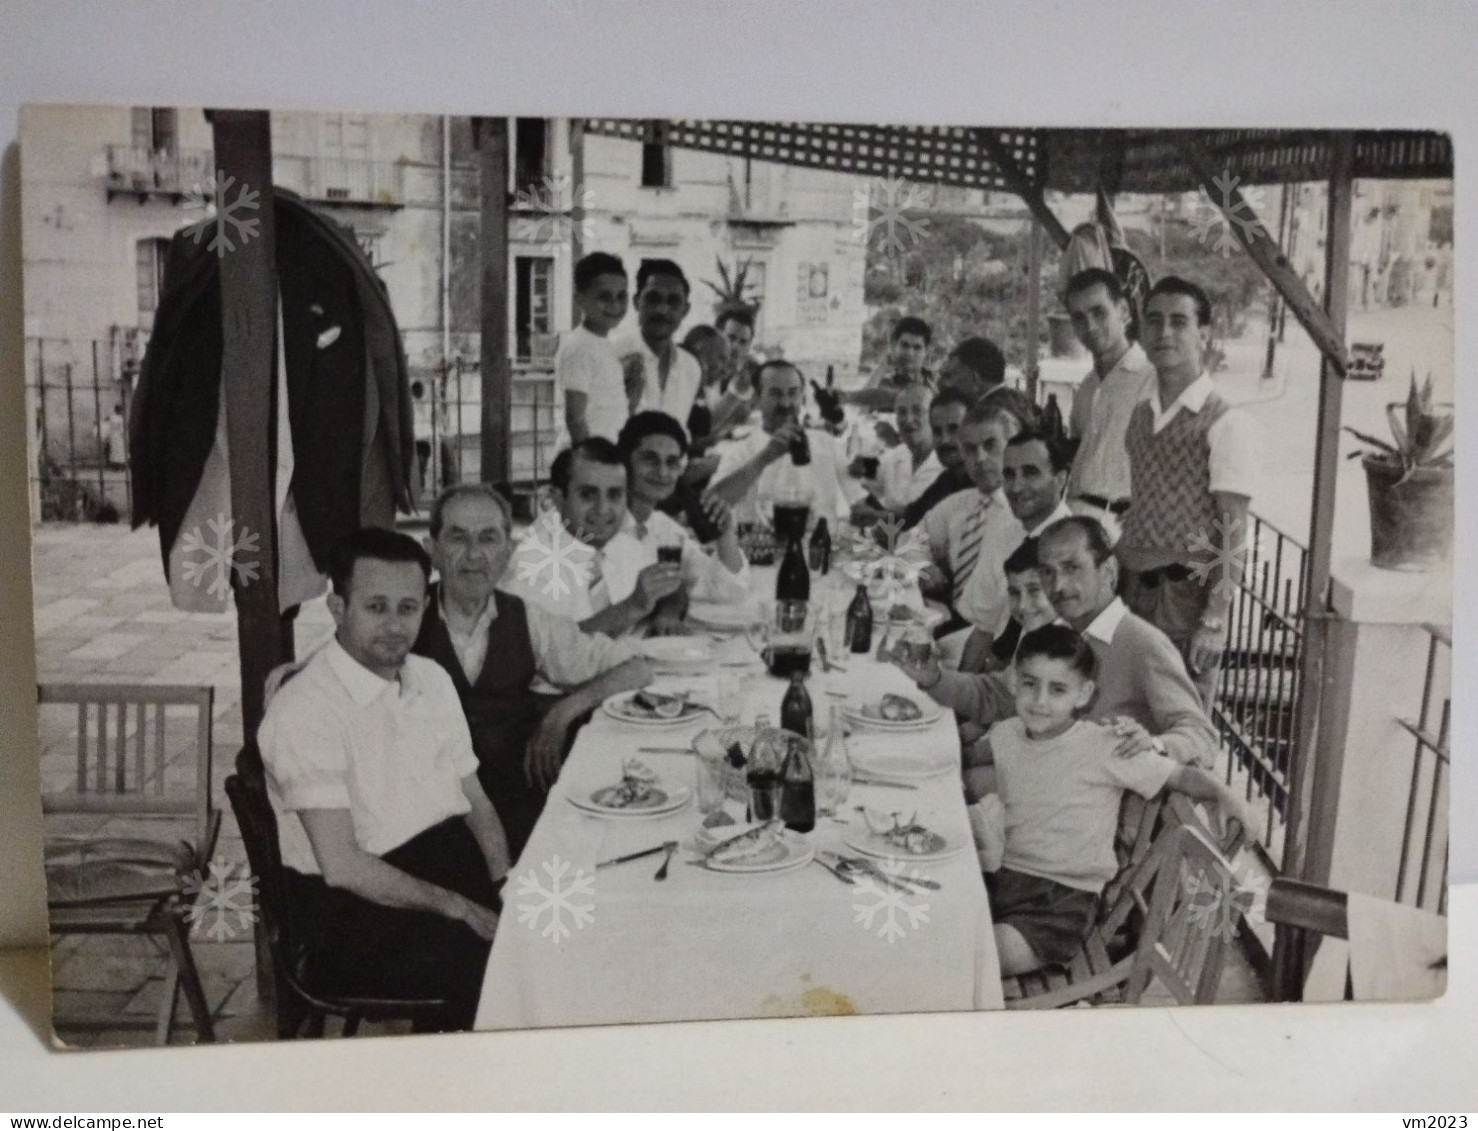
x=502, y=573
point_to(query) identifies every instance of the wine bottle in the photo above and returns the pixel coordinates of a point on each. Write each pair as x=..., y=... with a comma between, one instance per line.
x=793, y=581
x=800, y=450
x=859, y=622
x=821, y=548
x=795, y=708
x=798, y=791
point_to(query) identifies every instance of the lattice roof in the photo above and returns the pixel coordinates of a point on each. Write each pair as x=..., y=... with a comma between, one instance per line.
x=1053, y=159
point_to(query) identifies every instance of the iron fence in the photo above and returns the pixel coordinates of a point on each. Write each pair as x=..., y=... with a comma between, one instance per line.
x=1424, y=836
x=1256, y=708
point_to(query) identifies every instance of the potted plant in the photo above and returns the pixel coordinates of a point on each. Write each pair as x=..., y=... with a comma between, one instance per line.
x=731, y=289
x=1411, y=483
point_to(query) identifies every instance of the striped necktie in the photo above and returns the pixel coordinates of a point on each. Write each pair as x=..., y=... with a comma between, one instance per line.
x=968, y=550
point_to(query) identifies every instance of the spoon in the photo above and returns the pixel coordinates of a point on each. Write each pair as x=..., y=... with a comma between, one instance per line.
x=666, y=860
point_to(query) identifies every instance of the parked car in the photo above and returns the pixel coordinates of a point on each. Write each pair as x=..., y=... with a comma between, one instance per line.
x=1367, y=361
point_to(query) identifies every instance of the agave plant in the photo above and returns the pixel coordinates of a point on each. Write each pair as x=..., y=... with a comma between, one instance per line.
x=1423, y=434
x=731, y=287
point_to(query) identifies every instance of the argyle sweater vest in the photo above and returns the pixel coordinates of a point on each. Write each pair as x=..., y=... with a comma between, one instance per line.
x=1170, y=483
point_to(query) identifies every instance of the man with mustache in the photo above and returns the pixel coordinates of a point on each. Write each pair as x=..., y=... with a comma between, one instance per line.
x=947, y=411
x=500, y=651
x=660, y=375
x=391, y=850
x=1121, y=377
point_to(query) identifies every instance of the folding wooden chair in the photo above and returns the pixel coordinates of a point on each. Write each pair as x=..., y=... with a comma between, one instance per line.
x=130, y=884
x=1184, y=889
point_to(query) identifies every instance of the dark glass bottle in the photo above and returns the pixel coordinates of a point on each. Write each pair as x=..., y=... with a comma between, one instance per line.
x=821, y=548
x=800, y=450
x=798, y=792
x=859, y=622
x=1052, y=419
x=793, y=581
x=795, y=708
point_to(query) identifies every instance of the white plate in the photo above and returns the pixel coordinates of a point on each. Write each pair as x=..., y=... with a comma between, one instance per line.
x=932, y=713
x=679, y=652
x=674, y=799
x=617, y=707
x=925, y=617
x=711, y=614
x=894, y=765
x=796, y=854
x=867, y=842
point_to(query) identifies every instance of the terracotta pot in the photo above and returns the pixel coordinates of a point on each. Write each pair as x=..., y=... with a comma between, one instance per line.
x=1411, y=519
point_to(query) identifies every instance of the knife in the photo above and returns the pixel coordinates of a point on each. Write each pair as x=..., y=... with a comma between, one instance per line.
x=901, y=877
x=635, y=855
x=862, y=780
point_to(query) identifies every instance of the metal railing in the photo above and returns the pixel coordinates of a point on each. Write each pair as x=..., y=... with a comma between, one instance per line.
x=171, y=172
x=1424, y=836
x=1256, y=708
x=137, y=170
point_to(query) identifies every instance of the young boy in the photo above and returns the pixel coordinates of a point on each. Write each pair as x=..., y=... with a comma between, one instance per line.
x=1061, y=784
x=587, y=367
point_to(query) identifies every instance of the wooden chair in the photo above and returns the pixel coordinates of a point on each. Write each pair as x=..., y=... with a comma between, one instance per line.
x=127, y=884
x=1176, y=947
x=302, y=1009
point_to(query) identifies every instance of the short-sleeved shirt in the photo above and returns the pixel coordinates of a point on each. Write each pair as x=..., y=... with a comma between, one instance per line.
x=1234, y=438
x=832, y=491
x=684, y=376
x=901, y=481
x=1099, y=418
x=1062, y=797
x=391, y=752
x=587, y=363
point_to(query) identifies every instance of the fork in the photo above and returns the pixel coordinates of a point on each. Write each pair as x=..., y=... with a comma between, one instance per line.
x=666, y=860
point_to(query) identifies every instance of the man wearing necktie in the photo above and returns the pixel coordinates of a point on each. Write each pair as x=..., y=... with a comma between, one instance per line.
x=973, y=527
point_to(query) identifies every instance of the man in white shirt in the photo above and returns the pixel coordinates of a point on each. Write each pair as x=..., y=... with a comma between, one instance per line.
x=974, y=530
x=656, y=449
x=1193, y=467
x=587, y=367
x=391, y=849
x=906, y=470
x=755, y=471
x=661, y=375
x=576, y=561
x=1121, y=377
x=519, y=753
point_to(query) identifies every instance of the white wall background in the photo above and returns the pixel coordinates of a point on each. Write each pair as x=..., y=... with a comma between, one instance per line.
x=1258, y=62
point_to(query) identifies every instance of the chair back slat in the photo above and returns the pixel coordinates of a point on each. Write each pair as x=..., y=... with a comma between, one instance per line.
x=247, y=789
x=108, y=779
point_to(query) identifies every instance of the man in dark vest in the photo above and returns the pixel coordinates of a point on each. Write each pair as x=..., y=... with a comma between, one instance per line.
x=1193, y=467
x=502, y=653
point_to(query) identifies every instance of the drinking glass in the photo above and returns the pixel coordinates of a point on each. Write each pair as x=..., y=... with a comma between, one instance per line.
x=672, y=554
x=712, y=781
x=728, y=700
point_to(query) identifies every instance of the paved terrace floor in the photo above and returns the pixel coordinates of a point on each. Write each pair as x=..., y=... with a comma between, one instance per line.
x=103, y=615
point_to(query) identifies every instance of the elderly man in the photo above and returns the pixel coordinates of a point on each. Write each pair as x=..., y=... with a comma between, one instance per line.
x=1193, y=467
x=1142, y=681
x=391, y=848
x=947, y=412
x=1121, y=377
x=656, y=448
x=661, y=375
x=970, y=534
x=906, y=470
x=755, y=471
x=467, y=622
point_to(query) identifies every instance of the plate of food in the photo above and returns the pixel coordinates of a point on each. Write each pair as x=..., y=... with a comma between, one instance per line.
x=636, y=794
x=891, y=836
x=901, y=765
x=895, y=712
x=899, y=615
x=755, y=848
x=652, y=708
x=679, y=653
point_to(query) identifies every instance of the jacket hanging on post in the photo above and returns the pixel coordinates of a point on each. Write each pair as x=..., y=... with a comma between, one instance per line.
x=342, y=441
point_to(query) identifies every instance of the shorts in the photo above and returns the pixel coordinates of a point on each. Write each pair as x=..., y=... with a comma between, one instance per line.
x=1052, y=917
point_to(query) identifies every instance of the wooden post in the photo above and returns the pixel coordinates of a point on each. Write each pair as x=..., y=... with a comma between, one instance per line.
x=1311, y=807
x=577, y=190
x=492, y=153
x=1022, y=186
x=243, y=152
x=1033, y=307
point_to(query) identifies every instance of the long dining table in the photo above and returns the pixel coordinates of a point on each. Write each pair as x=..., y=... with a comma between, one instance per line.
x=584, y=942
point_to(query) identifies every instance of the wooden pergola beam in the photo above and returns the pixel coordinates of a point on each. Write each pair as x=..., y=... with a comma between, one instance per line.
x=1265, y=252
x=491, y=137
x=1023, y=187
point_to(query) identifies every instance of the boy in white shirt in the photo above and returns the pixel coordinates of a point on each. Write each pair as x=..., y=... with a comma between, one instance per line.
x=1061, y=784
x=587, y=367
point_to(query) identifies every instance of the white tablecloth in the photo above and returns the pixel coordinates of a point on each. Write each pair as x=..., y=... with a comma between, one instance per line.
x=702, y=945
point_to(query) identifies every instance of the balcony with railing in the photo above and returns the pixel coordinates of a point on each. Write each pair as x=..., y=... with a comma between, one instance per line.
x=350, y=182
x=141, y=172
